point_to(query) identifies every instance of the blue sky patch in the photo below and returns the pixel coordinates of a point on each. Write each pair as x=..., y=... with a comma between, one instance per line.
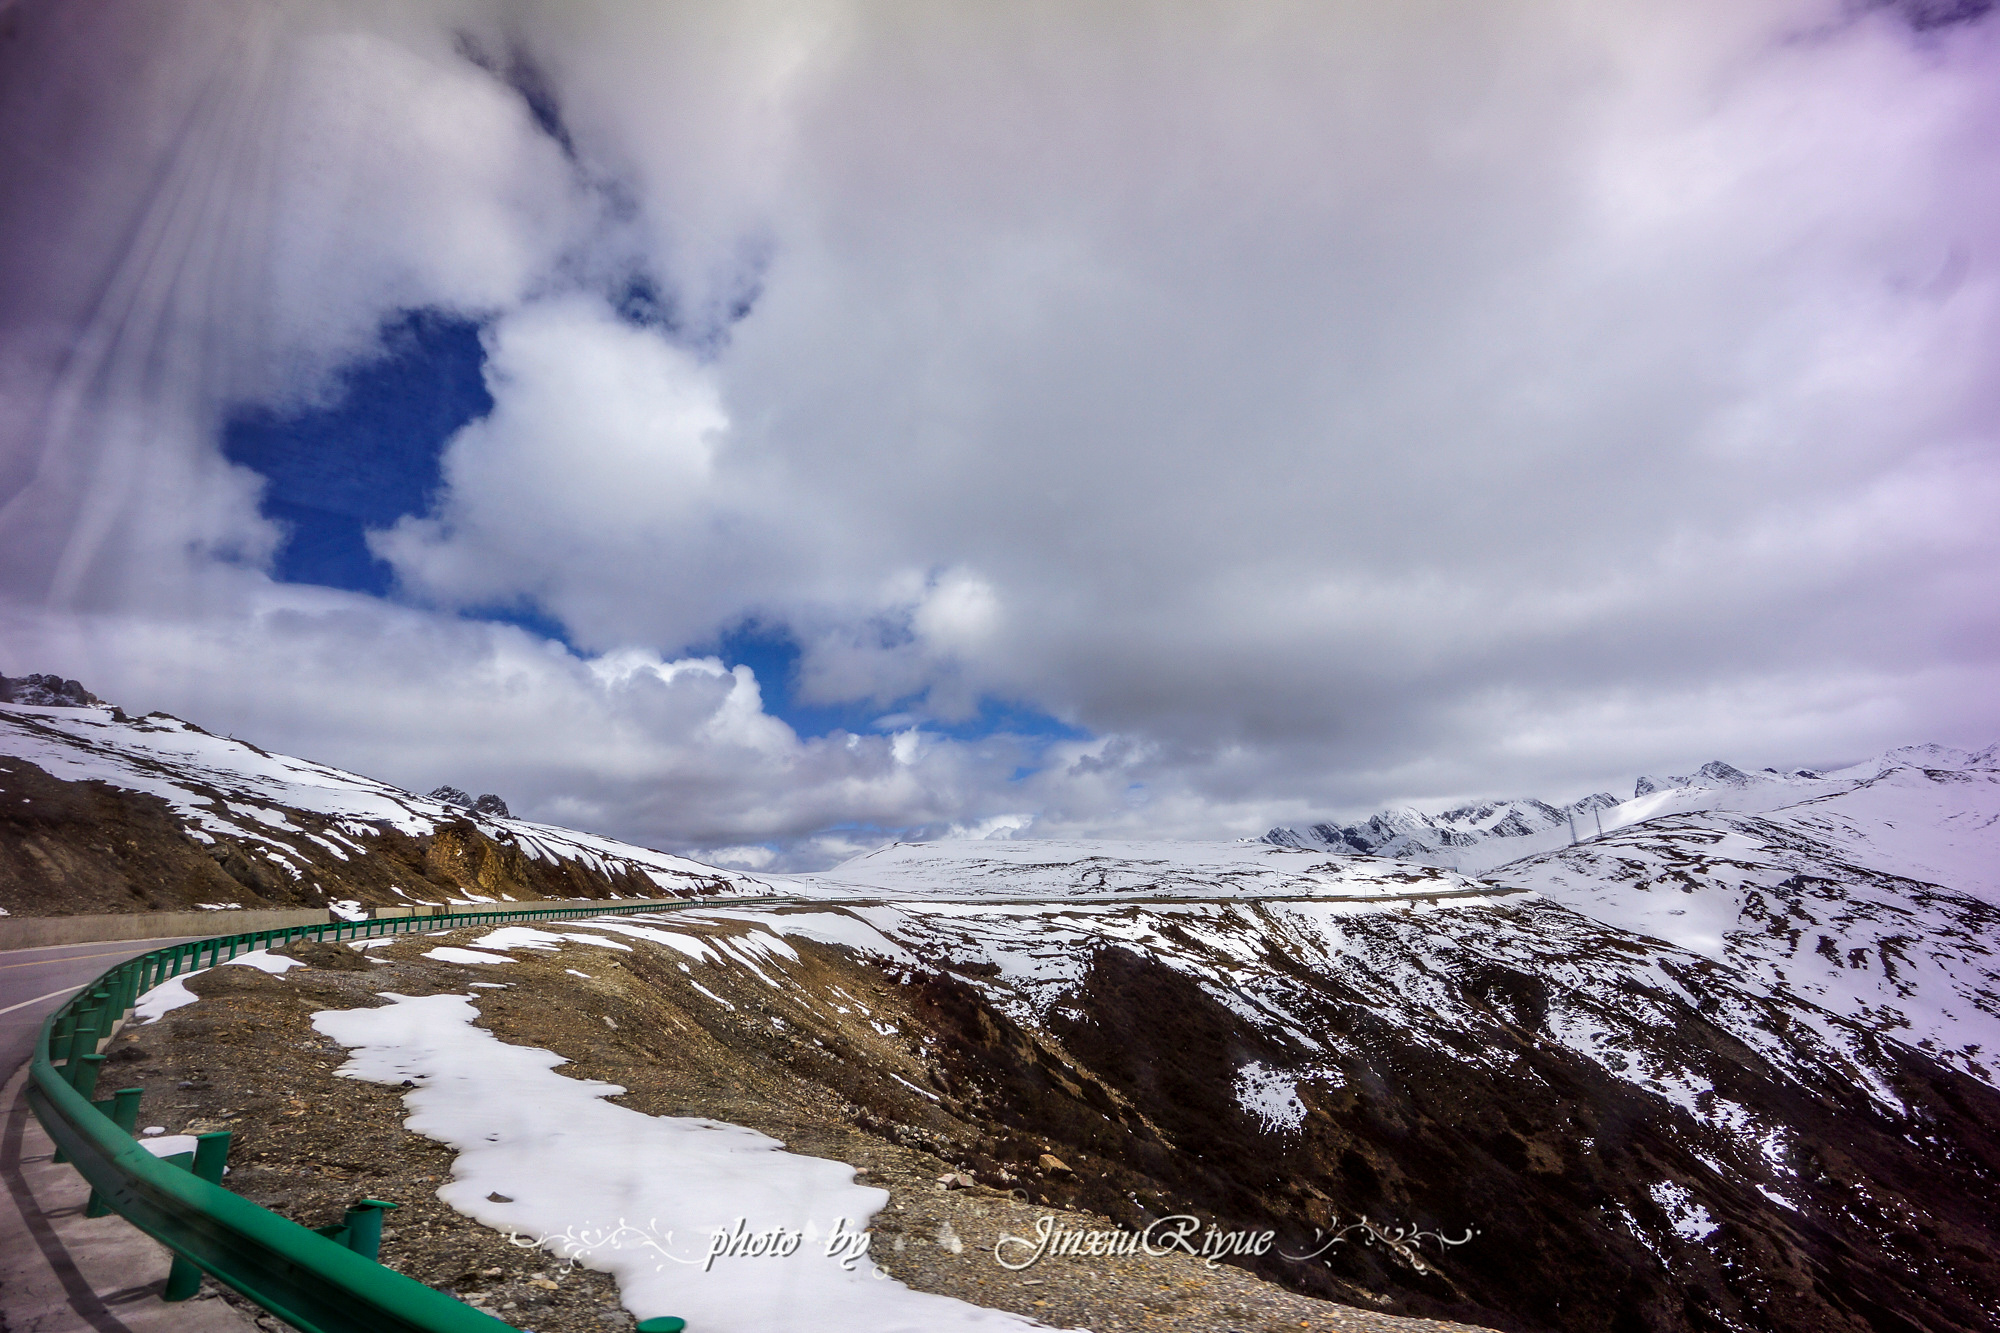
x=369, y=458
x=773, y=654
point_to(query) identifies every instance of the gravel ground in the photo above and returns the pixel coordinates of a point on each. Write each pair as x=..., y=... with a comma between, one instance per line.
x=307, y=1143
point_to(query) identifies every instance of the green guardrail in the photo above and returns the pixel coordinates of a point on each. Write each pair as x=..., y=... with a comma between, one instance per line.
x=325, y=1281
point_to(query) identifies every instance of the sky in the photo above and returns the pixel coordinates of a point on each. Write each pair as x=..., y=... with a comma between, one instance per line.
x=764, y=430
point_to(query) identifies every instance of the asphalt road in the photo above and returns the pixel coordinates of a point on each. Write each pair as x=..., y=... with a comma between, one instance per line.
x=34, y=981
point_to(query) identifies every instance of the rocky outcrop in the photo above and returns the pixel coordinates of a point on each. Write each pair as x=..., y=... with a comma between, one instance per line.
x=489, y=804
x=44, y=691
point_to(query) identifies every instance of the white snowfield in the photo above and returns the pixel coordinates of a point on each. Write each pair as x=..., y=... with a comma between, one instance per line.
x=221, y=787
x=711, y=1222
x=1039, y=870
x=1876, y=897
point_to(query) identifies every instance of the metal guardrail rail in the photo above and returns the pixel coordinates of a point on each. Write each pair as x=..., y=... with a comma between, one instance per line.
x=317, y=1281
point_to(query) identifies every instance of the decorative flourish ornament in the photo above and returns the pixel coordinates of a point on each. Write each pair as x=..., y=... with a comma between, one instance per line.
x=1402, y=1241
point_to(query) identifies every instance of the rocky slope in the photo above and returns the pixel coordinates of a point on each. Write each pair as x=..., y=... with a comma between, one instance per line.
x=100, y=812
x=705, y=1023
x=1612, y=1133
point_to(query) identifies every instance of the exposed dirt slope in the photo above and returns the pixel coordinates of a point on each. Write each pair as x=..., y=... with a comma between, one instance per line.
x=307, y=1143
x=75, y=847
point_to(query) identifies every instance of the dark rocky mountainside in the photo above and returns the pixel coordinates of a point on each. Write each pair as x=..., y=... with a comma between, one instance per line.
x=45, y=691
x=75, y=847
x=1620, y=1136
x=104, y=813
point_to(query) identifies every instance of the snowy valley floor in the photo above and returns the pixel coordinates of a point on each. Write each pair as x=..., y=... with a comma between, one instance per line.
x=308, y=1063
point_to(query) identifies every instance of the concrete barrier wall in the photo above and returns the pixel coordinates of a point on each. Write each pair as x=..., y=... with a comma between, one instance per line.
x=622, y=903
x=28, y=932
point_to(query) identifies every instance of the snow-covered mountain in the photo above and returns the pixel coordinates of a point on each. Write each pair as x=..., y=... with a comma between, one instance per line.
x=1480, y=836
x=1588, y=1101
x=1878, y=899
x=1611, y=1131
x=1873, y=890
x=1452, y=838
x=93, y=801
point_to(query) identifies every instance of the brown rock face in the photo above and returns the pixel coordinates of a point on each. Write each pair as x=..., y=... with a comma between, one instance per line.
x=75, y=847
x=68, y=848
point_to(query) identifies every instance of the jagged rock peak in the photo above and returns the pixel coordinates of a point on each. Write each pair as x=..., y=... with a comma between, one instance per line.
x=45, y=691
x=488, y=804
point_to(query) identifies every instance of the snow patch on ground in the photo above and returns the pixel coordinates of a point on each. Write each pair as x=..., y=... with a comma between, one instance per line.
x=445, y=953
x=1272, y=1096
x=173, y=993
x=1690, y=1220
x=169, y=1145
x=637, y=1196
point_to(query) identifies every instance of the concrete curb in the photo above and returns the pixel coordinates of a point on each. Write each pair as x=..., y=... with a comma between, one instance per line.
x=61, y=1272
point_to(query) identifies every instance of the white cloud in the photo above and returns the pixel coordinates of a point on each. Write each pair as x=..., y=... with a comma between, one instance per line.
x=402, y=177
x=1318, y=404
x=593, y=473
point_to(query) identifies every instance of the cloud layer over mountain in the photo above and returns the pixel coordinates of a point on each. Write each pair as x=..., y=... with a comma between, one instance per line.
x=1309, y=407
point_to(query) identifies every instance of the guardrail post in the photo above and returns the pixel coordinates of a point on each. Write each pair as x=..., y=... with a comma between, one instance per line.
x=87, y=1069
x=183, y=1278
x=123, y=1108
x=361, y=1230
x=84, y=1080
x=211, y=1152
x=82, y=1037
x=100, y=1020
